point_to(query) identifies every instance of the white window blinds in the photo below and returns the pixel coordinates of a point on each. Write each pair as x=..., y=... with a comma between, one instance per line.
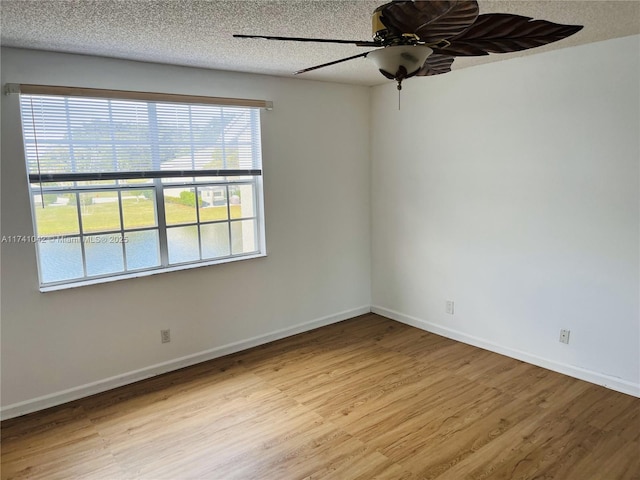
x=70, y=138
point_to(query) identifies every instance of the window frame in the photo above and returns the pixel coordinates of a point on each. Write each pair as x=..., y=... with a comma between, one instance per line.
x=157, y=183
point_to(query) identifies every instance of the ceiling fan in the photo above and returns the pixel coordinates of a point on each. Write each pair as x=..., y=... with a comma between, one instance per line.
x=421, y=38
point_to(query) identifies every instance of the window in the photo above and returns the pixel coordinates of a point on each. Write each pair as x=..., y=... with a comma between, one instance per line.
x=121, y=186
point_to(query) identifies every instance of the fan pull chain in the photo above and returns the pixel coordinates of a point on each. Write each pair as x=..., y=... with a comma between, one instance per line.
x=399, y=89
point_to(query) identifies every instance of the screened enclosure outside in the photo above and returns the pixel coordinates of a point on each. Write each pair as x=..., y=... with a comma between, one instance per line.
x=125, y=186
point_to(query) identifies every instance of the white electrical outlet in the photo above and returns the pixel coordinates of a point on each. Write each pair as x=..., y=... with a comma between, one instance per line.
x=165, y=336
x=564, y=336
x=449, y=307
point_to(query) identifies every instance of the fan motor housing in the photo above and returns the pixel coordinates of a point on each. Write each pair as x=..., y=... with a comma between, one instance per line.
x=379, y=31
x=389, y=36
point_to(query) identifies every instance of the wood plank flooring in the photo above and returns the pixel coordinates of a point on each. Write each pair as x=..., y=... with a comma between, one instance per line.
x=368, y=398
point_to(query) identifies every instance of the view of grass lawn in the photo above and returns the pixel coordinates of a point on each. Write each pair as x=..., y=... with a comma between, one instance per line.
x=137, y=212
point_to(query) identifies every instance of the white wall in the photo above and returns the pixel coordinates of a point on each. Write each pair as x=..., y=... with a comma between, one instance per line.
x=62, y=345
x=510, y=188
x=513, y=189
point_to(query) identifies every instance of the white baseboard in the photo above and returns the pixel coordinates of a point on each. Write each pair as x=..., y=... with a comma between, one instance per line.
x=58, y=398
x=597, y=378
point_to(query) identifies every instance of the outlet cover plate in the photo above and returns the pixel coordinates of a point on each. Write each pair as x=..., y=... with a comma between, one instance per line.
x=449, y=307
x=165, y=336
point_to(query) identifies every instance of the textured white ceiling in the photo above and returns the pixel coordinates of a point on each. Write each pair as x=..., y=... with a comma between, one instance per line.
x=199, y=33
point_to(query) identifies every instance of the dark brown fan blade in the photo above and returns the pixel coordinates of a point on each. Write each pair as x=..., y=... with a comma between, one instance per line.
x=358, y=43
x=436, y=65
x=431, y=21
x=331, y=63
x=503, y=33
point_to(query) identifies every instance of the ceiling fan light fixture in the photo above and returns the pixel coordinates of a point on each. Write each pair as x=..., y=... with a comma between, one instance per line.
x=409, y=31
x=400, y=61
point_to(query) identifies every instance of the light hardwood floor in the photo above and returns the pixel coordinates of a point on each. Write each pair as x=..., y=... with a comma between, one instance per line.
x=366, y=398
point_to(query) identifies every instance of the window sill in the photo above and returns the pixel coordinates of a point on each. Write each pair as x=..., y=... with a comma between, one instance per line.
x=146, y=273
